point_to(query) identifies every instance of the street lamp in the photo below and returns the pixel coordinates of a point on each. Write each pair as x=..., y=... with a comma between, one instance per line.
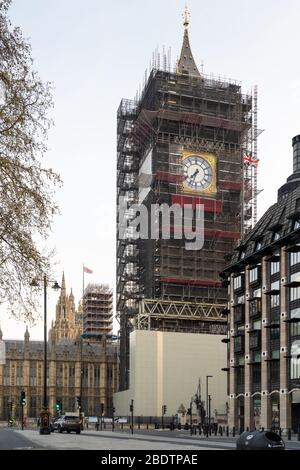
x=45, y=415
x=207, y=406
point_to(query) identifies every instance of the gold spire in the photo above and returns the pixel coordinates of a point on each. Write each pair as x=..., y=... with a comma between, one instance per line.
x=186, y=17
x=186, y=63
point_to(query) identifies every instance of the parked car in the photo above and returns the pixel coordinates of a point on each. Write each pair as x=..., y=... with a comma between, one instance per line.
x=67, y=423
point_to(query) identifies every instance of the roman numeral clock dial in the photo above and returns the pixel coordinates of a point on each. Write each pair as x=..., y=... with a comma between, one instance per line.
x=199, y=173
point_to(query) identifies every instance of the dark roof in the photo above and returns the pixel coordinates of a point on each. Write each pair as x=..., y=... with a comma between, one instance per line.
x=186, y=63
x=278, y=218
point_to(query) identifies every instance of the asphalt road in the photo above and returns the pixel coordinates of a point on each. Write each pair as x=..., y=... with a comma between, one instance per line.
x=91, y=439
x=11, y=440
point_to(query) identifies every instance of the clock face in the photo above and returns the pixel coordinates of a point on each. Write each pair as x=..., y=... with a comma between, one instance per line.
x=197, y=172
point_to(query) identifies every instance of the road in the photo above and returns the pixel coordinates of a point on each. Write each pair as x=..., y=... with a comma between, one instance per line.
x=107, y=440
x=12, y=440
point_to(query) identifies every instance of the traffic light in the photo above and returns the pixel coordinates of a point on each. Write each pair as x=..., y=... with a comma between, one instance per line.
x=114, y=409
x=131, y=407
x=164, y=409
x=23, y=398
x=102, y=408
x=58, y=406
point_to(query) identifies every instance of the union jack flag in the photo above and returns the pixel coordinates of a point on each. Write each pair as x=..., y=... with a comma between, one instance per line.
x=249, y=160
x=87, y=270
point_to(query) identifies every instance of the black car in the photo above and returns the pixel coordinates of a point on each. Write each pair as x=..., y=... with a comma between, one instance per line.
x=67, y=423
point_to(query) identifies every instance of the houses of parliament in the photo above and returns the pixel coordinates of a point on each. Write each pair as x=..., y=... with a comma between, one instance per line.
x=75, y=367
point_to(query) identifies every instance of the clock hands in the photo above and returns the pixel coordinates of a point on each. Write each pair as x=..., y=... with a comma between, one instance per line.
x=193, y=176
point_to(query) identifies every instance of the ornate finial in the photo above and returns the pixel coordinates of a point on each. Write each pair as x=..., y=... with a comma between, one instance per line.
x=186, y=17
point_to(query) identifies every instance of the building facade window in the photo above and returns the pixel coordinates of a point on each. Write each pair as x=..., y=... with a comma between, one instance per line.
x=257, y=293
x=258, y=245
x=237, y=282
x=274, y=267
x=257, y=325
x=275, y=298
x=253, y=275
x=295, y=359
x=32, y=374
x=295, y=291
x=96, y=376
x=19, y=375
x=296, y=224
x=256, y=374
x=294, y=258
x=71, y=376
x=6, y=374
x=295, y=327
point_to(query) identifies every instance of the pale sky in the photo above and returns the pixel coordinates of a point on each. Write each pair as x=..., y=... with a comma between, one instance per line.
x=95, y=52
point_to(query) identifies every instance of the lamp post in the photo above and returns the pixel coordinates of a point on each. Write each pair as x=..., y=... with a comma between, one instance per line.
x=45, y=415
x=206, y=405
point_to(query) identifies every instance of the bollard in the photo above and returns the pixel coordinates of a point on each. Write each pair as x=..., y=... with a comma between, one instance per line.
x=216, y=430
x=280, y=432
x=298, y=434
x=247, y=428
x=233, y=431
x=200, y=430
x=221, y=431
x=122, y=426
x=227, y=431
x=147, y=425
x=289, y=434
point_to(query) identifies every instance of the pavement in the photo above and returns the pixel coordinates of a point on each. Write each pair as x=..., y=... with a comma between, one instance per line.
x=30, y=439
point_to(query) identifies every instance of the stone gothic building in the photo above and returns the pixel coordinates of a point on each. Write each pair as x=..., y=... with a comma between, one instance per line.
x=74, y=367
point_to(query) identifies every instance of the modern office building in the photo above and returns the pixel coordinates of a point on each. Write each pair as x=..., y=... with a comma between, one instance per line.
x=264, y=315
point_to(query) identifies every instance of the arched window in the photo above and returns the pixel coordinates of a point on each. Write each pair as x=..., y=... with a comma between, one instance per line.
x=295, y=360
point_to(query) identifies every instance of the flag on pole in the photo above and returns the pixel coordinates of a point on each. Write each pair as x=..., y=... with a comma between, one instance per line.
x=87, y=270
x=248, y=159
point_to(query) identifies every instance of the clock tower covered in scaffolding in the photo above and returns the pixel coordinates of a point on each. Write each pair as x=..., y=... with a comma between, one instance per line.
x=185, y=139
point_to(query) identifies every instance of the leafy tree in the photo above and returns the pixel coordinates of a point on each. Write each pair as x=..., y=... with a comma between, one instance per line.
x=26, y=187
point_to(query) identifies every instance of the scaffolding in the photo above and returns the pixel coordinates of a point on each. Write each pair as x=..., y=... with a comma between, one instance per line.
x=98, y=312
x=177, y=112
x=250, y=171
x=182, y=317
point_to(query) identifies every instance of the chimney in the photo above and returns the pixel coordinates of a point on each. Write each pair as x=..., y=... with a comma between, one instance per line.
x=296, y=153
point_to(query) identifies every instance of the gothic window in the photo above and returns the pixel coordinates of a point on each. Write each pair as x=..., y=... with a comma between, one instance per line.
x=19, y=375
x=96, y=376
x=6, y=374
x=32, y=374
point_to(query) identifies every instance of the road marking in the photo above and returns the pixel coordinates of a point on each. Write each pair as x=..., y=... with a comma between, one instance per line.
x=22, y=448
